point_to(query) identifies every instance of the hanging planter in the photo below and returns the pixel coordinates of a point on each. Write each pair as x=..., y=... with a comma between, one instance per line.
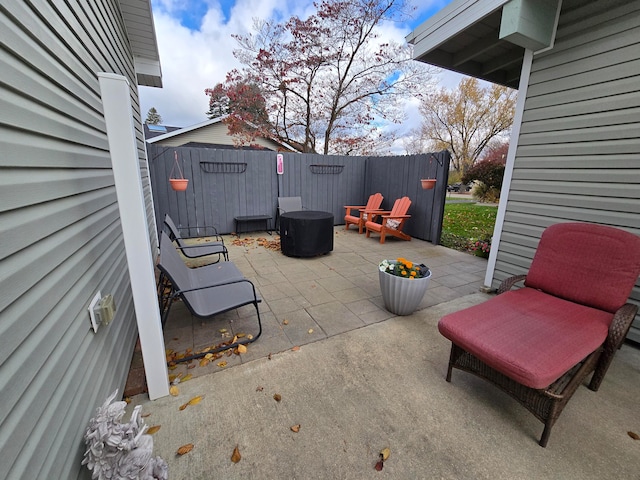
x=178, y=184
x=428, y=183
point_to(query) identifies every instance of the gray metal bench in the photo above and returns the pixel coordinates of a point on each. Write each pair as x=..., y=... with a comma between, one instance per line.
x=206, y=291
x=245, y=219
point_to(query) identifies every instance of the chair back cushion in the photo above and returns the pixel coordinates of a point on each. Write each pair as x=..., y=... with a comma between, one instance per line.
x=593, y=265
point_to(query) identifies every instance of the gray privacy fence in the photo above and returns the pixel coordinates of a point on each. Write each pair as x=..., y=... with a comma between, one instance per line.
x=226, y=183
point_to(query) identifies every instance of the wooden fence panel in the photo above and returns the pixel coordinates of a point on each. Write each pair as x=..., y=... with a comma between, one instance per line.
x=225, y=183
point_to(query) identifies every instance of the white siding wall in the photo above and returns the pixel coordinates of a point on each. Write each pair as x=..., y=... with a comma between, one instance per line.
x=578, y=156
x=218, y=133
x=61, y=238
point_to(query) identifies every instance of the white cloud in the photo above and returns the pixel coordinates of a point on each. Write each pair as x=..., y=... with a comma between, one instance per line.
x=193, y=60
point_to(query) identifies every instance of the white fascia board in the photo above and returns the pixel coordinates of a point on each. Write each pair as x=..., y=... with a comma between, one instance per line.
x=448, y=22
x=147, y=66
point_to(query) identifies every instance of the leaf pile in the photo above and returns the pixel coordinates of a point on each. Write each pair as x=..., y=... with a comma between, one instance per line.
x=208, y=356
x=258, y=242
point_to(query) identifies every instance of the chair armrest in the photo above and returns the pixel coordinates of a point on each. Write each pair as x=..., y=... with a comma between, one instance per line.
x=219, y=243
x=214, y=285
x=348, y=208
x=618, y=330
x=396, y=216
x=205, y=228
x=508, y=283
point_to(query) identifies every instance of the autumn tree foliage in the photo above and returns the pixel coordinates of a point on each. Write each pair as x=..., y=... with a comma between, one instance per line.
x=244, y=109
x=466, y=120
x=326, y=80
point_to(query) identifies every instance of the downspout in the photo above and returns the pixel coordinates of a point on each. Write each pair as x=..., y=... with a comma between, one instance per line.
x=116, y=103
x=508, y=172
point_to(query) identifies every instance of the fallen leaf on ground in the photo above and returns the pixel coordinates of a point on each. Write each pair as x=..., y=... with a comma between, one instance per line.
x=259, y=389
x=209, y=356
x=191, y=365
x=186, y=378
x=250, y=337
x=153, y=429
x=185, y=449
x=385, y=452
x=204, y=362
x=277, y=397
x=145, y=415
x=379, y=465
x=634, y=435
x=269, y=357
x=222, y=364
x=285, y=322
x=174, y=391
x=242, y=349
x=235, y=456
x=195, y=400
x=296, y=348
x=295, y=428
x=311, y=330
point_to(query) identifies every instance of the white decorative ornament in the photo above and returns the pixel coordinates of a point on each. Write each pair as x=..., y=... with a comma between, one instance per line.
x=121, y=450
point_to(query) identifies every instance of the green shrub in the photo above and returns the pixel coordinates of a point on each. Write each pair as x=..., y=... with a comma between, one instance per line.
x=484, y=193
x=488, y=172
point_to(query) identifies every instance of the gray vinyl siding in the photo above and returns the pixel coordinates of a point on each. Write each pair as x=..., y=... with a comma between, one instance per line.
x=61, y=238
x=578, y=155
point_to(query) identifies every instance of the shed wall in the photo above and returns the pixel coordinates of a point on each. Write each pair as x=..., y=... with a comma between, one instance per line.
x=578, y=155
x=61, y=234
x=216, y=133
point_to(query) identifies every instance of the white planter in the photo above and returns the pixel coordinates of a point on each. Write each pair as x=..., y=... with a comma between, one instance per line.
x=402, y=295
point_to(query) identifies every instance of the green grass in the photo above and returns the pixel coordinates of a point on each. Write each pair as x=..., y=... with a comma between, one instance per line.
x=467, y=222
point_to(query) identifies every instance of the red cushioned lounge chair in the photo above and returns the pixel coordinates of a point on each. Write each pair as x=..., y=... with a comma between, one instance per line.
x=539, y=342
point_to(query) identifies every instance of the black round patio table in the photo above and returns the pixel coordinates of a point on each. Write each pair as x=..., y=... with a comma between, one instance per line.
x=306, y=233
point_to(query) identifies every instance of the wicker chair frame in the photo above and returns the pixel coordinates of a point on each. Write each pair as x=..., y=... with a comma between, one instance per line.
x=547, y=404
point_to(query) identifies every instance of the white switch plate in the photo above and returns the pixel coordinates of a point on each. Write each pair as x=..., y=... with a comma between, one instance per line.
x=94, y=302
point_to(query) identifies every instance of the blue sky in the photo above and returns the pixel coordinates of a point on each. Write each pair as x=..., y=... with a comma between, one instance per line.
x=196, y=48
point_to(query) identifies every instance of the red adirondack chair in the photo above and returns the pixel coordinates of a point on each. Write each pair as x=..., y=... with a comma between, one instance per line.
x=374, y=203
x=392, y=222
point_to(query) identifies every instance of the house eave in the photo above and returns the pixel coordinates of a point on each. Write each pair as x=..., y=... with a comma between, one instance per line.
x=138, y=20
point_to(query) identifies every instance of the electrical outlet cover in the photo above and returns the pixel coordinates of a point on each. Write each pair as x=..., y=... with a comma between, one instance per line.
x=94, y=321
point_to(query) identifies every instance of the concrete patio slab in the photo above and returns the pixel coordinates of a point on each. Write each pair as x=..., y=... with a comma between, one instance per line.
x=382, y=386
x=358, y=379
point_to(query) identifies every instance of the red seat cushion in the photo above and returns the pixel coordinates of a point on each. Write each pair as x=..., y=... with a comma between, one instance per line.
x=527, y=335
